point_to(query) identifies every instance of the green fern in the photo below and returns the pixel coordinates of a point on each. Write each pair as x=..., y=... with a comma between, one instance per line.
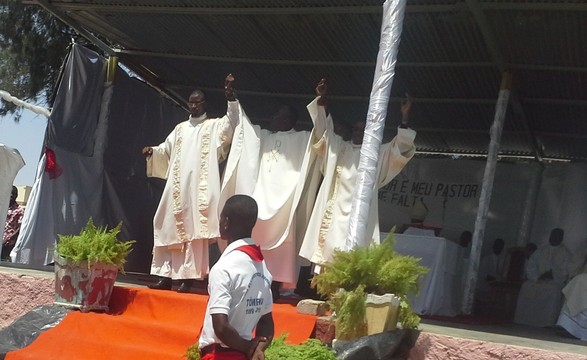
x=375, y=269
x=280, y=350
x=350, y=314
x=95, y=245
x=193, y=352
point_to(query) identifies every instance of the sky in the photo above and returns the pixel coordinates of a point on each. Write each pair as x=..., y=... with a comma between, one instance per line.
x=27, y=137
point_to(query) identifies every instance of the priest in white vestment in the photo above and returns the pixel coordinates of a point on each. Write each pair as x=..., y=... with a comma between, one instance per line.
x=186, y=219
x=540, y=299
x=491, y=267
x=272, y=167
x=339, y=159
x=573, y=316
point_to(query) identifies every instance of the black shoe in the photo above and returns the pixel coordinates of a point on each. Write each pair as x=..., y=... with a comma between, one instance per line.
x=163, y=284
x=275, y=287
x=186, y=286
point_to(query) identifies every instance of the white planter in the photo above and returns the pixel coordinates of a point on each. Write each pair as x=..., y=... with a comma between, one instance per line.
x=84, y=287
x=382, y=313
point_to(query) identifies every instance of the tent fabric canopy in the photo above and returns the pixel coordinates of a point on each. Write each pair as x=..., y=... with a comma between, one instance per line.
x=451, y=58
x=96, y=132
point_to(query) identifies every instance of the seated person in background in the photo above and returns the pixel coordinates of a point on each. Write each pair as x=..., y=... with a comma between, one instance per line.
x=12, y=226
x=550, y=262
x=465, y=241
x=573, y=316
x=539, y=301
x=579, y=261
x=418, y=213
x=491, y=266
x=239, y=285
x=530, y=249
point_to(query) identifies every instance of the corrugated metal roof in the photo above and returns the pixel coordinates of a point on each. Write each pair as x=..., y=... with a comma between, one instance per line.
x=451, y=58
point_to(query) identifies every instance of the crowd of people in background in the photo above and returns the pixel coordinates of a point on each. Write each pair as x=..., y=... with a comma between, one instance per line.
x=12, y=225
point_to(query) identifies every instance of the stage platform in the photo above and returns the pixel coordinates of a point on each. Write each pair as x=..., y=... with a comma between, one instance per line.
x=159, y=309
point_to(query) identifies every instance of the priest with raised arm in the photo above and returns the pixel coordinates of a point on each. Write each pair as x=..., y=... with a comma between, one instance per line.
x=339, y=159
x=272, y=165
x=187, y=216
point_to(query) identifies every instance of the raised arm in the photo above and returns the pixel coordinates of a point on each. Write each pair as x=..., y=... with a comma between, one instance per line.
x=229, y=91
x=321, y=90
x=232, y=110
x=394, y=155
x=318, y=109
x=406, y=110
x=147, y=151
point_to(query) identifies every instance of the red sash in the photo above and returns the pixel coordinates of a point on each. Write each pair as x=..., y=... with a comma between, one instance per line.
x=254, y=251
x=225, y=356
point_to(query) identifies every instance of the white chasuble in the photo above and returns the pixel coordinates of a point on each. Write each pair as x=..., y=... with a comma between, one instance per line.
x=276, y=181
x=187, y=215
x=329, y=222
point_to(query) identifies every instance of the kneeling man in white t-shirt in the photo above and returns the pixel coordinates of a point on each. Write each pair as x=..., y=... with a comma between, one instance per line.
x=239, y=285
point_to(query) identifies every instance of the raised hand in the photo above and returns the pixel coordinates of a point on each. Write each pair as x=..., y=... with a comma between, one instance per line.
x=406, y=108
x=229, y=92
x=148, y=151
x=321, y=90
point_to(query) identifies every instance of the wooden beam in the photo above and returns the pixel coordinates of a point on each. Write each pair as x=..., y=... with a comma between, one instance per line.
x=266, y=10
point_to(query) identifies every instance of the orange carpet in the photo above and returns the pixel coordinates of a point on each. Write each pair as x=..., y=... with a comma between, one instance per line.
x=143, y=324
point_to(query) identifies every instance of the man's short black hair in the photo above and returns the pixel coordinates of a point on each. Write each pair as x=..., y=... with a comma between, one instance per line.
x=242, y=211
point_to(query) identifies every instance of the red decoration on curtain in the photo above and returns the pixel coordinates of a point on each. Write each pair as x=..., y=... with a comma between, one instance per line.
x=51, y=165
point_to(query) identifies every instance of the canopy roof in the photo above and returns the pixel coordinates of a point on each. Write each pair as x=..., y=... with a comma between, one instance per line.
x=451, y=58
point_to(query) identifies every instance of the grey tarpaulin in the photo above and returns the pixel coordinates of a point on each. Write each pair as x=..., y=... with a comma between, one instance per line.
x=74, y=118
x=97, y=130
x=373, y=347
x=24, y=330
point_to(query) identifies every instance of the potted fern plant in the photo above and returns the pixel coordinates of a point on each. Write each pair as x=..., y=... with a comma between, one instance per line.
x=361, y=282
x=86, y=266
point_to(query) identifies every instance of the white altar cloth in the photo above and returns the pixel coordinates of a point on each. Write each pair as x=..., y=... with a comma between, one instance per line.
x=440, y=289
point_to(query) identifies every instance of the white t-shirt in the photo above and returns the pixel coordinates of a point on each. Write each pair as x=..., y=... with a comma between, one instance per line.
x=240, y=288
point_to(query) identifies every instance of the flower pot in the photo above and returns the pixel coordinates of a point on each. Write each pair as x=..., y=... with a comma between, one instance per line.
x=381, y=312
x=84, y=287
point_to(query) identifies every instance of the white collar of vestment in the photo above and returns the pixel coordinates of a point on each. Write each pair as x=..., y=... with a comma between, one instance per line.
x=356, y=146
x=284, y=131
x=199, y=119
x=237, y=243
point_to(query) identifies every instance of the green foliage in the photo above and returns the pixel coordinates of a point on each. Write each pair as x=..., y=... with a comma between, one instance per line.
x=280, y=350
x=310, y=349
x=193, y=352
x=94, y=245
x=375, y=269
x=408, y=318
x=350, y=313
x=33, y=45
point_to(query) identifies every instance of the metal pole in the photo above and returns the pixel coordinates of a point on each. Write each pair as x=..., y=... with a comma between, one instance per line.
x=391, y=29
x=487, y=188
